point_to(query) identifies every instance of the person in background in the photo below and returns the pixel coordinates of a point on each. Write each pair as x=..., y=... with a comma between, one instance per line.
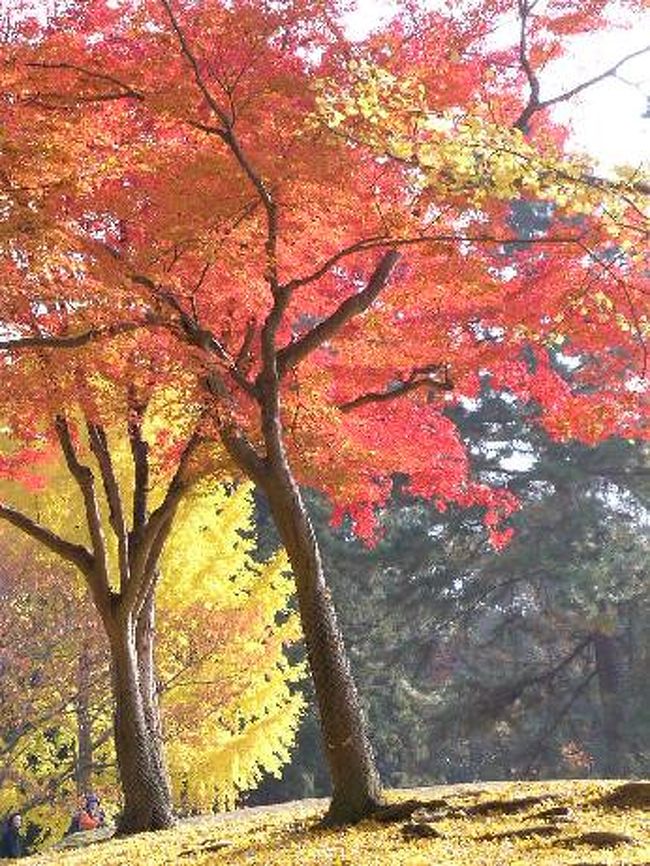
x=89, y=815
x=11, y=843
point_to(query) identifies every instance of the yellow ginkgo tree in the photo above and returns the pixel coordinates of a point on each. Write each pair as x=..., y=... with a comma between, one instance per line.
x=194, y=626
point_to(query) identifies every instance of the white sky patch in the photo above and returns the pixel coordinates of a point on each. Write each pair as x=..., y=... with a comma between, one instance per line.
x=608, y=119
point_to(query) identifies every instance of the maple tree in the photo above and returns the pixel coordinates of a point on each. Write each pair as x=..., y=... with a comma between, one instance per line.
x=229, y=712
x=314, y=237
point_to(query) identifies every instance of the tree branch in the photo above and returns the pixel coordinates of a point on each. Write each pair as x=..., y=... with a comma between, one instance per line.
x=229, y=138
x=99, y=447
x=359, y=246
x=140, y=455
x=395, y=242
x=533, y=81
x=541, y=742
x=568, y=94
x=154, y=533
x=536, y=104
x=85, y=479
x=73, y=341
x=243, y=453
x=77, y=554
x=294, y=352
x=418, y=378
x=191, y=59
x=196, y=335
x=90, y=73
x=243, y=360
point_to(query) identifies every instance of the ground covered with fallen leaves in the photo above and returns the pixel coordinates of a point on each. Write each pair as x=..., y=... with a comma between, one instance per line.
x=575, y=823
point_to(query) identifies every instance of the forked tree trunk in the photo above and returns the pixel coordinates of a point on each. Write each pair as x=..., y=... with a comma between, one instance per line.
x=145, y=642
x=138, y=747
x=355, y=782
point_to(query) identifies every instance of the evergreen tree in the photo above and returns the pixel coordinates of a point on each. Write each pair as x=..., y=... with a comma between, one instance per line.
x=477, y=663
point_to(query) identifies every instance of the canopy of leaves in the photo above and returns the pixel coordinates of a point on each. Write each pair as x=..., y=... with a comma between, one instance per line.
x=216, y=191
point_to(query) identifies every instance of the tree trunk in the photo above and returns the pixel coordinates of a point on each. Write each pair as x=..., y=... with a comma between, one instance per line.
x=355, y=782
x=145, y=641
x=611, y=688
x=140, y=758
x=84, y=721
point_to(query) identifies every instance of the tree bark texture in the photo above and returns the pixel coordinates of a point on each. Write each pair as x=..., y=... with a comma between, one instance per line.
x=356, y=788
x=84, y=763
x=145, y=643
x=138, y=746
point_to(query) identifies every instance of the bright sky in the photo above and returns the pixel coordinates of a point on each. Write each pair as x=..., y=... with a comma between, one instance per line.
x=608, y=119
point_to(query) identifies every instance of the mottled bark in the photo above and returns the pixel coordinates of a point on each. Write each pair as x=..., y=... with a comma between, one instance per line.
x=140, y=760
x=145, y=642
x=356, y=788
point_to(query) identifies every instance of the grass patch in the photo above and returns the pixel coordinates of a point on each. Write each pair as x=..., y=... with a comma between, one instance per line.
x=576, y=823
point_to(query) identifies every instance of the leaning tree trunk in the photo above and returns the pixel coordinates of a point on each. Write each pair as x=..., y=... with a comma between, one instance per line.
x=140, y=758
x=355, y=782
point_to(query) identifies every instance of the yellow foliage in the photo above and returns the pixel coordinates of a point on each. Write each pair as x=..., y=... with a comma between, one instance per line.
x=463, y=152
x=229, y=704
x=230, y=711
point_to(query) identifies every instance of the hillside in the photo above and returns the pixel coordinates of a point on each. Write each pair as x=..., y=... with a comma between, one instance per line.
x=577, y=823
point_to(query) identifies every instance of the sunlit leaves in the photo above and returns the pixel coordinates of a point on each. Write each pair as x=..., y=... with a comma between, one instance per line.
x=405, y=138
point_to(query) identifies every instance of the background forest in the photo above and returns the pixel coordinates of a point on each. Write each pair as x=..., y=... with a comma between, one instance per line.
x=529, y=662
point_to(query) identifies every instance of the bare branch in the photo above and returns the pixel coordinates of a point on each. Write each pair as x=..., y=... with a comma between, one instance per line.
x=424, y=377
x=127, y=90
x=359, y=246
x=533, y=81
x=536, y=104
x=595, y=80
x=73, y=341
x=77, y=554
x=140, y=454
x=85, y=479
x=352, y=306
x=380, y=241
x=61, y=102
x=155, y=531
x=243, y=452
x=243, y=360
x=151, y=572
